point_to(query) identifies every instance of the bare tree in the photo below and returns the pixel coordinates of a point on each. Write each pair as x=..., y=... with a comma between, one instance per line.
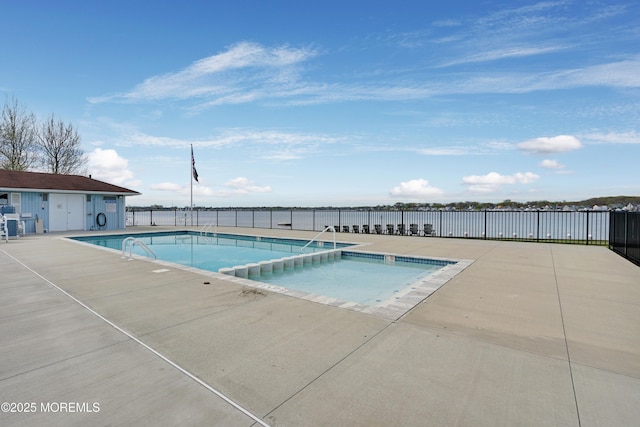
x=60, y=148
x=18, y=144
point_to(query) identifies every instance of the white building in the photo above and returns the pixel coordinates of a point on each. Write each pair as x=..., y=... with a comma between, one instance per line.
x=56, y=202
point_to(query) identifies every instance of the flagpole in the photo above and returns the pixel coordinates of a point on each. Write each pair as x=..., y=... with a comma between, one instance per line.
x=194, y=175
x=191, y=175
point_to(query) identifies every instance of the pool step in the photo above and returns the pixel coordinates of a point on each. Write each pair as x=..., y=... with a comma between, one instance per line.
x=278, y=266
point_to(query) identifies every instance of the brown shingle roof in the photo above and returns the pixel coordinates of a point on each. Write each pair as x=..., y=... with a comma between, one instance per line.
x=10, y=180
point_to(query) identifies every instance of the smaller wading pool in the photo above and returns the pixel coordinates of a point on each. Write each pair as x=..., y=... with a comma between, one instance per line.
x=382, y=284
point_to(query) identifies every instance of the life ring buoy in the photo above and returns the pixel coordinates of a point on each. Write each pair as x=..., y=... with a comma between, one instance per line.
x=101, y=219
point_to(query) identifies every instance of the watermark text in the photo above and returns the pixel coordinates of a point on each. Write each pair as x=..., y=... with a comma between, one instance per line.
x=50, y=407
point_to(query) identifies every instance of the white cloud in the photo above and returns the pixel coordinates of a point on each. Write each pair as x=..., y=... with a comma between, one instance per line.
x=168, y=186
x=107, y=165
x=505, y=53
x=296, y=145
x=184, y=190
x=262, y=73
x=444, y=151
x=551, y=164
x=138, y=138
x=233, y=187
x=225, y=76
x=621, y=74
x=493, y=181
x=631, y=137
x=249, y=72
x=615, y=74
x=415, y=188
x=548, y=145
x=286, y=155
x=242, y=185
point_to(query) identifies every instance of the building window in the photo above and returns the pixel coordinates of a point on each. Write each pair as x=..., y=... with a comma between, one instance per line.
x=16, y=201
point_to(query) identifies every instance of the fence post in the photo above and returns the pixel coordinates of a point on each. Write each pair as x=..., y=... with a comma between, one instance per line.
x=151, y=217
x=537, y=225
x=612, y=229
x=485, y=225
x=626, y=233
x=587, y=230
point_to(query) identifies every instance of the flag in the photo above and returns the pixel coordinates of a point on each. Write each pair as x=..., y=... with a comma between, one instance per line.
x=193, y=166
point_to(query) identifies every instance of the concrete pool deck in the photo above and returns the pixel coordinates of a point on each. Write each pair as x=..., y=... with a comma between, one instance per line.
x=528, y=334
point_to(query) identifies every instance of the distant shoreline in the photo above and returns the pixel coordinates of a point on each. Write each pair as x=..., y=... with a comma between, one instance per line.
x=596, y=203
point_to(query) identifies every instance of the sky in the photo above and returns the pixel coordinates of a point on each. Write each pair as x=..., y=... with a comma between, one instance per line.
x=337, y=103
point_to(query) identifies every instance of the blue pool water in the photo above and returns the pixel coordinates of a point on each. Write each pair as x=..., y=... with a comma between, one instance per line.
x=210, y=252
x=357, y=277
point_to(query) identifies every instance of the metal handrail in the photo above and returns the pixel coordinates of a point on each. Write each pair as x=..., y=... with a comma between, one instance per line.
x=329, y=227
x=207, y=227
x=134, y=242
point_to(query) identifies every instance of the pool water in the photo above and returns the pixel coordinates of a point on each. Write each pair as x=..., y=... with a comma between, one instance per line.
x=366, y=281
x=209, y=252
x=362, y=278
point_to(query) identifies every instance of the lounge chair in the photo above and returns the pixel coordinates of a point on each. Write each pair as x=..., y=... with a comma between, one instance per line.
x=345, y=228
x=413, y=229
x=428, y=230
x=401, y=229
x=337, y=228
x=20, y=224
x=377, y=228
x=355, y=228
x=9, y=227
x=365, y=229
x=4, y=231
x=391, y=229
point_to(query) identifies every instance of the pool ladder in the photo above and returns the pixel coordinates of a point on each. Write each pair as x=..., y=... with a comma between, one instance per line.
x=208, y=228
x=327, y=228
x=134, y=242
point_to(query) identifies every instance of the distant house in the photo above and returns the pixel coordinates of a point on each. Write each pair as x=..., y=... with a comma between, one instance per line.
x=55, y=202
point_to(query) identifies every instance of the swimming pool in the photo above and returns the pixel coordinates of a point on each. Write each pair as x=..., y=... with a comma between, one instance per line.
x=345, y=277
x=210, y=251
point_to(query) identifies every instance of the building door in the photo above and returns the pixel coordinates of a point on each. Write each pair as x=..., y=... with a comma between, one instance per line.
x=66, y=212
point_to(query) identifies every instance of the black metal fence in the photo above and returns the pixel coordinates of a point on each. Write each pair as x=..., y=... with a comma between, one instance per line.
x=624, y=235
x=581, y=227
